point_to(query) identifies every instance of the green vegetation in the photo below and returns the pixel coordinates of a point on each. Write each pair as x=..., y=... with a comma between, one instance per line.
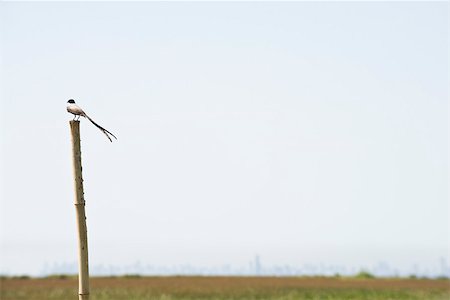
x=364, y=275
x=227, y=288
x=62, y=276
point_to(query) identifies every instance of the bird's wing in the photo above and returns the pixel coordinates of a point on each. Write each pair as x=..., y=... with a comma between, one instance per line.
x=75, y=109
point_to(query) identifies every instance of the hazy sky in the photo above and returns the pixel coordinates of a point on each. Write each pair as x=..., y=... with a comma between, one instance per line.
x=303, y=132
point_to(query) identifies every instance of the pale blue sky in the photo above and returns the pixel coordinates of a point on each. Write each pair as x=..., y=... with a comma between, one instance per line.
x=303, y=132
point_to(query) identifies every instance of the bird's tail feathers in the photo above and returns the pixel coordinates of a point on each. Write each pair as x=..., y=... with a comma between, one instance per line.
x=101, y=128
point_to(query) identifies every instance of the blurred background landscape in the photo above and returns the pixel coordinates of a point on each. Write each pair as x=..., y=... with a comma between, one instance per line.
x=256, y=138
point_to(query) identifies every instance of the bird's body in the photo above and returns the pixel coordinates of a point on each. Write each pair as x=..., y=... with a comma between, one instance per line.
x=74, y=109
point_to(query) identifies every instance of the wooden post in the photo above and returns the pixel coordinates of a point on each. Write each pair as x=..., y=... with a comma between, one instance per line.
x=83, y=266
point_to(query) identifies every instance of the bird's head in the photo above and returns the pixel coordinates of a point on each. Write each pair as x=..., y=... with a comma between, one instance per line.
x=71, y=101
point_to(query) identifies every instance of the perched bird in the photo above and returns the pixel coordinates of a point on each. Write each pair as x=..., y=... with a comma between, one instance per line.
x=77, y=112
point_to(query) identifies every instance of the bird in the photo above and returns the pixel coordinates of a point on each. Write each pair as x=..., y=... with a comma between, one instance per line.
x=74, y=109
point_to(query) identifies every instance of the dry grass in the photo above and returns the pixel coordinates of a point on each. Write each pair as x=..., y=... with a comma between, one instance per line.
x=172, y=288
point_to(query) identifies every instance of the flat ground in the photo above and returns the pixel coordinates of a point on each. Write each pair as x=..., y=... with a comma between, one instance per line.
x=218, y=288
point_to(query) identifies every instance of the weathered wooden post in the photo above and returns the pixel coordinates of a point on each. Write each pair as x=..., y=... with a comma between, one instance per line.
x=83, y=266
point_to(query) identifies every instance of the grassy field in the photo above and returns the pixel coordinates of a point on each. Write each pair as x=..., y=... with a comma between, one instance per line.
x=220, y=288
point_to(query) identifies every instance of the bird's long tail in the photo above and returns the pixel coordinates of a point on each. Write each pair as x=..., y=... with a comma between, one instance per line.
x=101, y=128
